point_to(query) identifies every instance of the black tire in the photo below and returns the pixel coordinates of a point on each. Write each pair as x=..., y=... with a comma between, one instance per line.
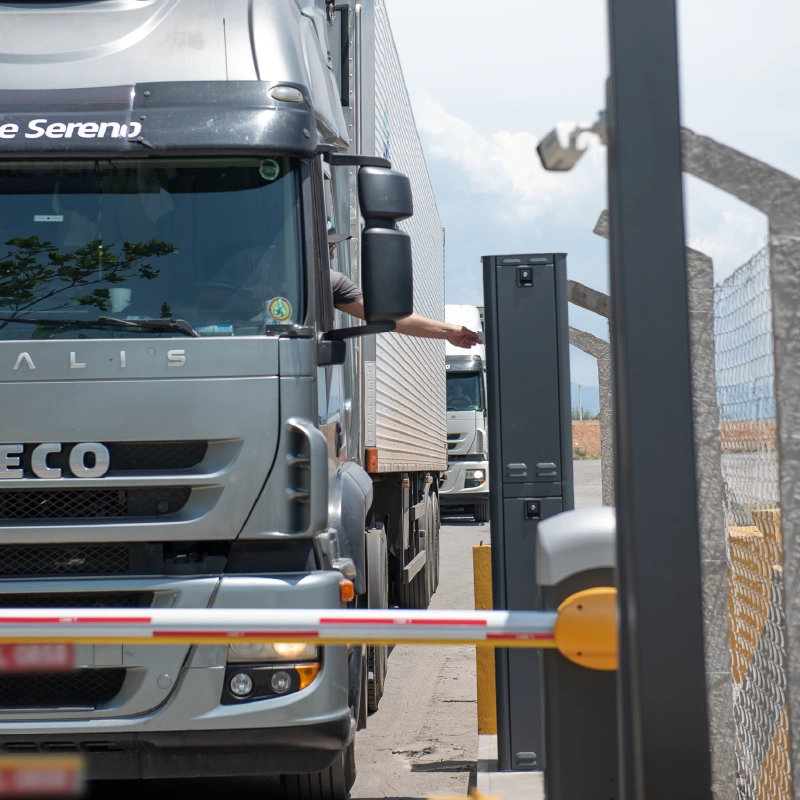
x=333, y=783
x=425, y=576
x=437, y=522
x=430, y=547
x=482, y=512
x=417, y=593
x=377, y=597
x=414, y=594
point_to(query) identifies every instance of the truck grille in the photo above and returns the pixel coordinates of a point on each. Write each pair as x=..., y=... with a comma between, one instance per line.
x=64, y=560
x=21, y=504
x=77, y=600
x=133, y=456
x=79, y=689
x=148, y=456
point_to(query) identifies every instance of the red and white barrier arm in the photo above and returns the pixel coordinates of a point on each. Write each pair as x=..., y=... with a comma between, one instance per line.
x=321, y=626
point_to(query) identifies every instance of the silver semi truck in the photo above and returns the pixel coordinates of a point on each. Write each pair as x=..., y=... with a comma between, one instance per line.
x=466, y=483
x=186, y=420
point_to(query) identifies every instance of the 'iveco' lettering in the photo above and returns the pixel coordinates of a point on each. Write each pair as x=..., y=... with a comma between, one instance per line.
x=11, y=460
x=43, y=128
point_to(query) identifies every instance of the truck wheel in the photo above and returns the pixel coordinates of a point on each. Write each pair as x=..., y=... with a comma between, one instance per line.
x=333, y=783
x=482, y=512
x=430, y=546
x=437, y=524
x=415, y=594
x=377, y=597
x=425, y=576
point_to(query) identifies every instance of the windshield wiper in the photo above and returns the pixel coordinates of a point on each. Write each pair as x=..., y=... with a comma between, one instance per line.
x=104, y=322
x=155, y=324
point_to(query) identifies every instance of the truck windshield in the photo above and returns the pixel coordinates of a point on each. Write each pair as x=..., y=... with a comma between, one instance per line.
x=464, y=391
x=214, y=242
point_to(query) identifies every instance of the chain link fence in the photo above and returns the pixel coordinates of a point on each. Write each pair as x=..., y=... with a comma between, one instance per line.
x=745, y=378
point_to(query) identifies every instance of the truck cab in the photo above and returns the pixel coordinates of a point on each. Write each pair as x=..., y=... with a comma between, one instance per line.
x=466, y=484
x=187, y=419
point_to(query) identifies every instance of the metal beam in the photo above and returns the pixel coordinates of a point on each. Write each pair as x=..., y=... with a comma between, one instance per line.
x=663, y=718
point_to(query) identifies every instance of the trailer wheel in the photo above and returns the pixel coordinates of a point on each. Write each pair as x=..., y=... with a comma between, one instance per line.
x=430, y=547
x=424, y=578
x=377, y=597
x=333, y=783
x=482, y=512
x=437, y=524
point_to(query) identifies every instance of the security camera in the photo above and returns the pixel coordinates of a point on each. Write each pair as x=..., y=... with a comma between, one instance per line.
x=559, y=150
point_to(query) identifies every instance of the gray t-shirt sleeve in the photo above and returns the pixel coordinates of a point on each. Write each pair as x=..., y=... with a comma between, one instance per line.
x=344, y=290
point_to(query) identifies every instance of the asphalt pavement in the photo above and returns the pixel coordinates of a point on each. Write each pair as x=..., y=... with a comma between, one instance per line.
x=423, y=740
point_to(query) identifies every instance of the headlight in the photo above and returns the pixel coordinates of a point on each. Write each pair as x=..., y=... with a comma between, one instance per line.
x=280, y=651
x=296, y=651
x=474, y=474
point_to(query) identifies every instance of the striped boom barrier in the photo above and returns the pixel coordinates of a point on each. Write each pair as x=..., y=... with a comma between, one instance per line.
x=584, y=629
x=321, y=626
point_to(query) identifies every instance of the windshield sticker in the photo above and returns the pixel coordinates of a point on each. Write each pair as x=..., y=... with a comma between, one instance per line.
x=269, y=169
x=280, y=309
x=38, y=128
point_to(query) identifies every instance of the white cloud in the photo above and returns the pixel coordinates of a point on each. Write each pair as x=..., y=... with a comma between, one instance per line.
x=722, y=226
x=504, y=163
x=734, y=239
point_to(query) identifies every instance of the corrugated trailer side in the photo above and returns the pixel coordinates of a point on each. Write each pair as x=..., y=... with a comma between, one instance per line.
x=405, y=380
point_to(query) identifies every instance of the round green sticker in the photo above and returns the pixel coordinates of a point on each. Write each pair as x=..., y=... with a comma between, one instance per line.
x=269, y=169
x=279, y=308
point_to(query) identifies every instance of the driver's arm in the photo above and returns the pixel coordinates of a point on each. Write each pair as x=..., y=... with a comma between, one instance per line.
x=347, y=297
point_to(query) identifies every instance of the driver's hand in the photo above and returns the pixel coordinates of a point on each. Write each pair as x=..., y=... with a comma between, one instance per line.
x=463, y=338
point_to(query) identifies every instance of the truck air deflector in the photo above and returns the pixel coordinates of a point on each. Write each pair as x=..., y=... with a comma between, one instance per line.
x=187, y=116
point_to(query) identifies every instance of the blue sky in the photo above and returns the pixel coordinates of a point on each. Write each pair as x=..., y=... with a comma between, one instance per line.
x=488, y=80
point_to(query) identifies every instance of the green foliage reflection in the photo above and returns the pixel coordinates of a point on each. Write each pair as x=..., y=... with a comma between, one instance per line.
x=34, y=273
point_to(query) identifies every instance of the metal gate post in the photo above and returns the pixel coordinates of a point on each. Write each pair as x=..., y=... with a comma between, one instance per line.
x=576, y=551
x=663, y=717
x=530, y=465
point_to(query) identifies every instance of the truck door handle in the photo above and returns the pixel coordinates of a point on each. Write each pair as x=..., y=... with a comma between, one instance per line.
x=316, y=462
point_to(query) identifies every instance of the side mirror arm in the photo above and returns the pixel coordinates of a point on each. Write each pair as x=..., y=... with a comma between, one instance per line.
x=331, y=348
x=341, y=334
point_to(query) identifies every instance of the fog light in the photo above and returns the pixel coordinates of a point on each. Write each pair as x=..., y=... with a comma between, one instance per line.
x=280, y=681
x=242, y=684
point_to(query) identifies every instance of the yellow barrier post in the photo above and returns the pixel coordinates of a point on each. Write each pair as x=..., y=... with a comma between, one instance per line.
x=484, y=656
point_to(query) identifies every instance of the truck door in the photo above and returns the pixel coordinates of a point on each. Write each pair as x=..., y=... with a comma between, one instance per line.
x=330, y=380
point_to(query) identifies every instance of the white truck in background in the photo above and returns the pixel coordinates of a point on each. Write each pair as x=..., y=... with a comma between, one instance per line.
x=466, y=484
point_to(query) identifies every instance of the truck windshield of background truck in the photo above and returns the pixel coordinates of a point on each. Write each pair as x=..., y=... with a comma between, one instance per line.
x=215, y=242
x=464, y=391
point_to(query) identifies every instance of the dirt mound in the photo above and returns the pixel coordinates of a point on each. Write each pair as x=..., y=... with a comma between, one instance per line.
x=748, y=436
x=585, y=439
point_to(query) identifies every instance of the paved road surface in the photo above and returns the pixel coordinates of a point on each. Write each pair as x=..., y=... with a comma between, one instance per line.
x=423, y=740
x=588, y=486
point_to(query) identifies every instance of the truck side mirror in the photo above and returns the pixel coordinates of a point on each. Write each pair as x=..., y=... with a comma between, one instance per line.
x=387, y=274
x=384, y=194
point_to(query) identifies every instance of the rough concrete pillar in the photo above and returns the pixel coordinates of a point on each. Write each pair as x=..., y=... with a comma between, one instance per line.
x=778, y=196
x=714, y=562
